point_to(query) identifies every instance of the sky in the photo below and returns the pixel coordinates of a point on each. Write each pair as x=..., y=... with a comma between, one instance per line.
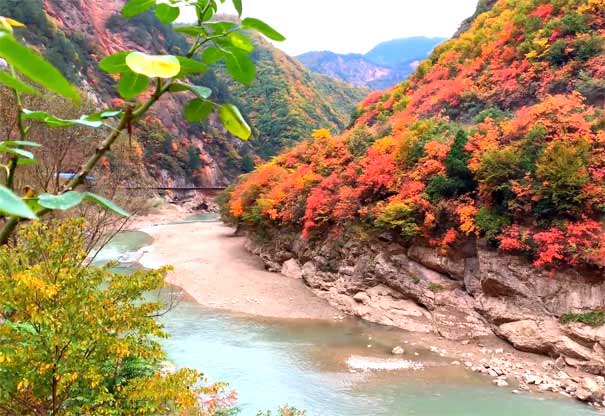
x=354, y=26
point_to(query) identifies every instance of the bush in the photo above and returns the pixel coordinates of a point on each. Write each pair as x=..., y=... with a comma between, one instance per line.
x=359, y=141
x=497, y=169
x=586, y=48
x=562, y=171
x=401, y=217
x=490, y=223
x=592, y=318
x=557, y=53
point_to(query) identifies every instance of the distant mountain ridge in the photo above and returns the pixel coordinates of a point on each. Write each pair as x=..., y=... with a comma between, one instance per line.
x=387, y=64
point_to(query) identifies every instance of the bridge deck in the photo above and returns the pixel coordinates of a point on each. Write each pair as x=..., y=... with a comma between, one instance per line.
x=162, y=188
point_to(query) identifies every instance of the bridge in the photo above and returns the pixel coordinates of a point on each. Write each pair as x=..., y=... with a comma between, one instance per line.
x=177, y=188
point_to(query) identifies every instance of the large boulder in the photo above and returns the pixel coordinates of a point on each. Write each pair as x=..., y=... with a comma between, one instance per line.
x=292, y=269
x=543, y=336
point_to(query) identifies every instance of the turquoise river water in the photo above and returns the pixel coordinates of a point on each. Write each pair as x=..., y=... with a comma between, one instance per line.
x=272, y=362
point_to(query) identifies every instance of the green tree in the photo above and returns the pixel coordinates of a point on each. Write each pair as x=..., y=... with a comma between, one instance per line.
x=78, y=340
x=459, y=179
x=562, y=171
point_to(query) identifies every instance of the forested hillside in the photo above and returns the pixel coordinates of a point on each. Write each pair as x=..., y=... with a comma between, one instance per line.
x=284, y=104
x=499, y=134
x=287, y=102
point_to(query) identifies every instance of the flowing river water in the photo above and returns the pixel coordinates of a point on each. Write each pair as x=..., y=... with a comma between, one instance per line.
x=325, y=367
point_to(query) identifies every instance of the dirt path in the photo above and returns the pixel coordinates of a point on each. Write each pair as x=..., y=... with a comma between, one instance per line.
x=216, y=270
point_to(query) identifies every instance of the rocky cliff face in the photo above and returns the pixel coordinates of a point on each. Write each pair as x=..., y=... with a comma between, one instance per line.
x=97, y=30
x=475, y=294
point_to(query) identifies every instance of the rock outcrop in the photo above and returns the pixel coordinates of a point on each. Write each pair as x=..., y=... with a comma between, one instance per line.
x=476, y=293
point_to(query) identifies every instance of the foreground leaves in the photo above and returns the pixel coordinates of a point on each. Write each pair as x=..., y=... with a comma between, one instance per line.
x=234, y=122
x=11, y=204
x=34, y=67
x=160, y=66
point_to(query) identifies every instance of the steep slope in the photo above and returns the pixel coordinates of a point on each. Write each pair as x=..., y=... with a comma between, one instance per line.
x=384, y=66
x=476, y=189
x=287, y=101
x=75, y=34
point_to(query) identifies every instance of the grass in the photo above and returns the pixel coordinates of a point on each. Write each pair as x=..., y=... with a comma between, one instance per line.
x=436, y=288
x=592, y=318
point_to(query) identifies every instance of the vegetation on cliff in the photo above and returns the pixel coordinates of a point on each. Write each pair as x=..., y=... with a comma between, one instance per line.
x=499, y=134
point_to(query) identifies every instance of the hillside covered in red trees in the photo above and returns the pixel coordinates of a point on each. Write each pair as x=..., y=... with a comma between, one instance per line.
x=499, y=135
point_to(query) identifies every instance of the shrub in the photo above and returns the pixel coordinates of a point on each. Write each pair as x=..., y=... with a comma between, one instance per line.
x=586, y=48
x=496, y=171
x=399, y=216
x=562, y=171
x=557, y=53
x=490, y=223
x=592, y=318
x=359, y=141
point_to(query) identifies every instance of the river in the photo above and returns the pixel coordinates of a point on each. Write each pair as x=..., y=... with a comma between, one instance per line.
x=319, y=365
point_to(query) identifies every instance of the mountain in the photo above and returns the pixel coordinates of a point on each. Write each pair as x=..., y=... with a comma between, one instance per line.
x=287, y=101
x=285, y=98
x=384, y=66
x=352, y=68
x=400, y=53
x=472, y=195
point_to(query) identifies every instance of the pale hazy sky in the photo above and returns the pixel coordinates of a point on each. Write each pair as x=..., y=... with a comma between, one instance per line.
x=347, y=26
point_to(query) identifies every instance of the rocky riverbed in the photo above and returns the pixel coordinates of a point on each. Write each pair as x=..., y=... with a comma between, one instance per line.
x=467, y=304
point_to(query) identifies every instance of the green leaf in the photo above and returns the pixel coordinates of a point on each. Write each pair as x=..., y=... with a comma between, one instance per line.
x=16, y=84
x=240, y=66
x=136, y=7
x=102, y=115
x=61, y=202
x=190, y=66
x=241, y=41
x=114, y=64
x=132, y=85
x=200, y=91
x=234, y=122
x=34, y=67
x=16, y=151
x=106, y=203
x=238, y=6
x=198, y=110
x=191, y=30
x=53, y=121
x=11, y=204
x=160, y=66
x=220, y=28
x=25, y=162
x=20, y=143
x=212, y=55
x=262, y=27
x=166, y=14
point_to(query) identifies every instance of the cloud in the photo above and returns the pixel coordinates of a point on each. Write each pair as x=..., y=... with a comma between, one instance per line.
x=355, y=26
